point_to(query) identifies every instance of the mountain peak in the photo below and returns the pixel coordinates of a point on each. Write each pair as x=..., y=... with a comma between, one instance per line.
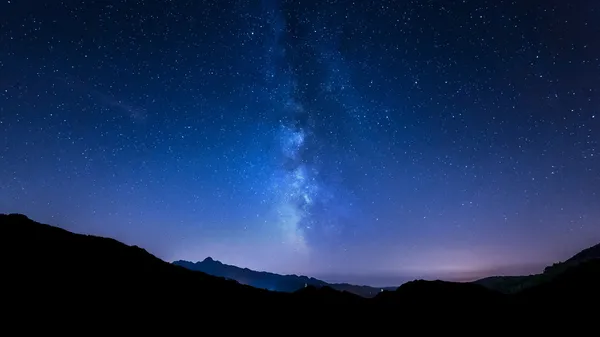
x=210, y=260
x=271, y=281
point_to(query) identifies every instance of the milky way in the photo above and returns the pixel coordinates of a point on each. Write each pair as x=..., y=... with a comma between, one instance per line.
x=355, y=139
x=297, y=183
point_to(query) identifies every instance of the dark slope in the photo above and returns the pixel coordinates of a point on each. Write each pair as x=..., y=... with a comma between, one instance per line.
x=441, y=296
x=586, y=254
x=44, y=266
x=508, y=284
x=50, y=271
x=52, y=274
x=515, y=284
x=328, y=297
x=272, y=281
x=577, y=287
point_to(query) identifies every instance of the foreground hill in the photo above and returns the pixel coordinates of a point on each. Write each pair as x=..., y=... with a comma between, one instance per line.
x=515, y=284
x=58, y=259
x=272, y=281
x=61, y=278
x=44, y=266
x=586, y=254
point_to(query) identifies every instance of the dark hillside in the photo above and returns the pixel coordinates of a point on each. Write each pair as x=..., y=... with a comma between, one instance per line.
x=49, y=265
x=50, y=274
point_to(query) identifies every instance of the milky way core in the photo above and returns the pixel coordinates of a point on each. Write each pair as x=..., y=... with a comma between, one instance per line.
x=363, y=140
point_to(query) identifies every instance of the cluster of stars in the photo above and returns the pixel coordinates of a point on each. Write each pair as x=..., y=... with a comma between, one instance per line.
x=372, y=134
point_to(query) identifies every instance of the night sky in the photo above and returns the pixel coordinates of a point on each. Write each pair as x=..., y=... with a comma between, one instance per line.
x=362, y=141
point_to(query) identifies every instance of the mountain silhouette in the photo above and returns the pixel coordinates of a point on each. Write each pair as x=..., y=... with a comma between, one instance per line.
x=586, y=254
x=441, y=296
x=55, y=278
x=515, y=284
x=49, y=267
x=272, y=281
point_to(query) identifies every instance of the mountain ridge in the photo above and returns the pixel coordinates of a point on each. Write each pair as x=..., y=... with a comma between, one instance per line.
x=293, y=282
x=50, y=274
x=514, y=284
x=273, y=281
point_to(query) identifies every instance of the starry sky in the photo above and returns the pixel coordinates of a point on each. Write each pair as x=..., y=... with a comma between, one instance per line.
x=362, y=141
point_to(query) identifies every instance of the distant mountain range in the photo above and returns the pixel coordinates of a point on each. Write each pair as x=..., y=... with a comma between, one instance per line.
x=291, y=283
x=272, y=281
x=52, y=278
